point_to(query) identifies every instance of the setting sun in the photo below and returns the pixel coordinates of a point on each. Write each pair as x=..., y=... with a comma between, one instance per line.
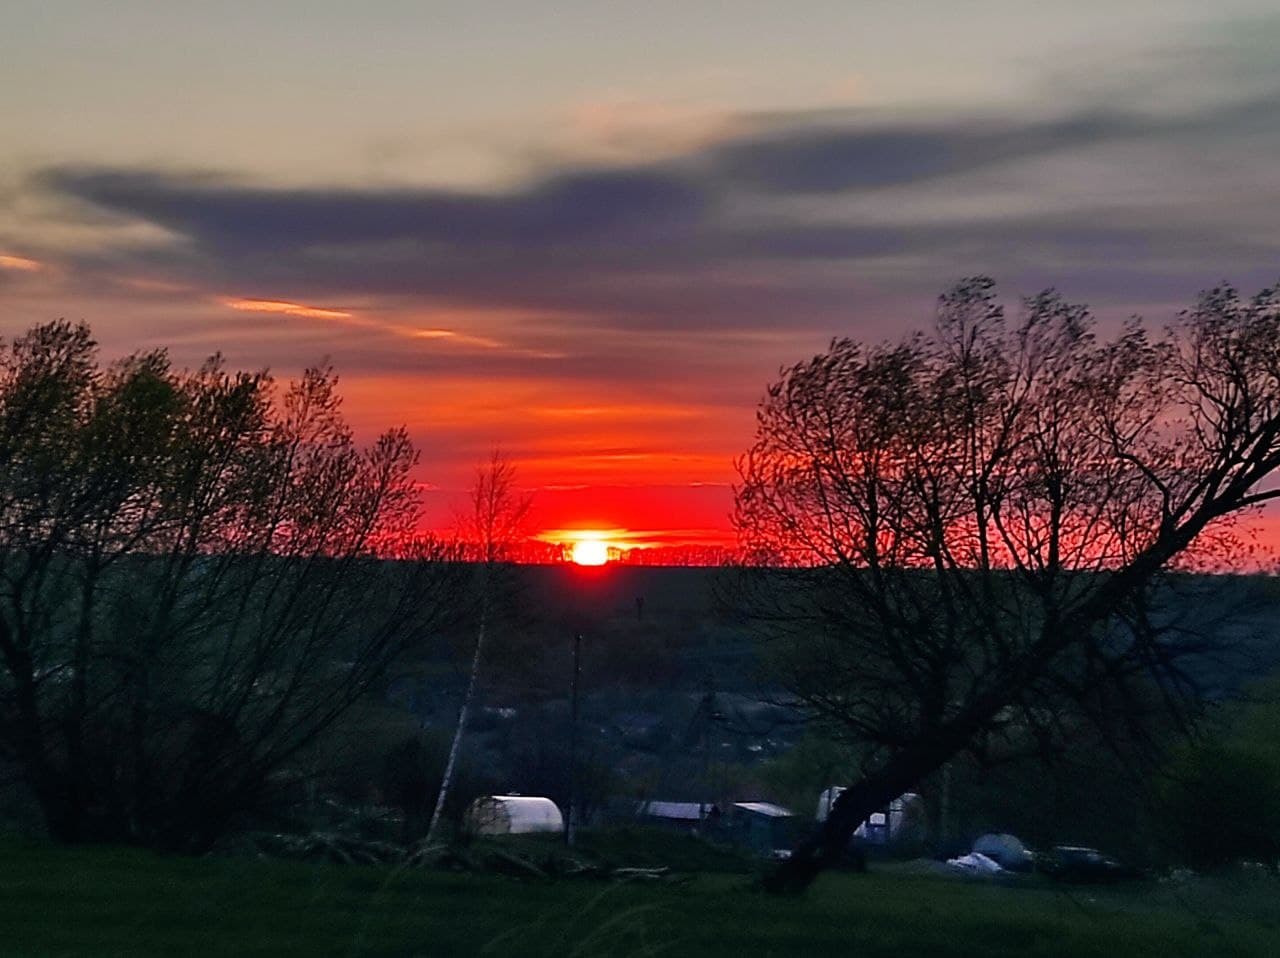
x=590, y=552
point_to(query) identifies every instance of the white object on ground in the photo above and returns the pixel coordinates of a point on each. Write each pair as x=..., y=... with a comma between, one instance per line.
x=976, y=863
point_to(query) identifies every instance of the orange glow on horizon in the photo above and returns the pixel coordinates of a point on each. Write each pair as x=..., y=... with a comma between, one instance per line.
x=588, y=460
x=596, y=459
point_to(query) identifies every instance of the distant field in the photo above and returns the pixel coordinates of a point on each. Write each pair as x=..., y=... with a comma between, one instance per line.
x=122, y=902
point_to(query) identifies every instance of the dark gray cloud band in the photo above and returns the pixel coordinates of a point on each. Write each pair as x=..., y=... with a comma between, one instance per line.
x=693, y=240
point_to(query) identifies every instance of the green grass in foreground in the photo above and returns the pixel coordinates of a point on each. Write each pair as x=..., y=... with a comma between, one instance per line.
x=57, y=901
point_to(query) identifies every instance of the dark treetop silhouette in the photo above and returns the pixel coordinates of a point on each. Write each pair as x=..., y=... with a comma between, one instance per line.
x=192, y=584
x=958, y=538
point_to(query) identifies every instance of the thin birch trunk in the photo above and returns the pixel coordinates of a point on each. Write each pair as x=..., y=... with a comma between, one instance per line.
x=463, y=713
x=496, y=517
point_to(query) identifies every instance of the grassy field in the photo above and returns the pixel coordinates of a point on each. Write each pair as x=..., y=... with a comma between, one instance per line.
x=56, y=901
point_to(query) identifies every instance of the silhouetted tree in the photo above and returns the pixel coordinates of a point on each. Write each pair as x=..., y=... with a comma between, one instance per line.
x=490, y=530
x=960, y=538
x=194, y=583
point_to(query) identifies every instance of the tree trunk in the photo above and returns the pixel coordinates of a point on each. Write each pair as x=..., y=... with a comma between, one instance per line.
x=463, y=713
x=828, y=844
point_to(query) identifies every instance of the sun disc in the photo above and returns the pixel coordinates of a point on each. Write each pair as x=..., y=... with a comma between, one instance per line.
x=590, y=552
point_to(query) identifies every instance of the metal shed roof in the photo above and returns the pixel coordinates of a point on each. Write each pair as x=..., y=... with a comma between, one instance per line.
x=765, y=808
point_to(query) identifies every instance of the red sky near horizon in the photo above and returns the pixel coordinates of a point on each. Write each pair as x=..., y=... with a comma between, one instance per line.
x=634, y=463
x=638, y=464
x=590, y=235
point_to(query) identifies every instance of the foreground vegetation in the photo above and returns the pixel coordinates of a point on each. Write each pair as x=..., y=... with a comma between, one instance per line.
x=107, y=901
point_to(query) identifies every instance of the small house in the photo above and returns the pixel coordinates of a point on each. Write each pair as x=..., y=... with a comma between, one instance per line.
x=762, y=826
x=681, y=816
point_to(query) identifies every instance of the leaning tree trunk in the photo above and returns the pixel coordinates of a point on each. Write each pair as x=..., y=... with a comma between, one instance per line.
x=463, y=714
x=827, y=845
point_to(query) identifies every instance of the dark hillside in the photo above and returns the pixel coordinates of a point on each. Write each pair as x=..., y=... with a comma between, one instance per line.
x=676, y=704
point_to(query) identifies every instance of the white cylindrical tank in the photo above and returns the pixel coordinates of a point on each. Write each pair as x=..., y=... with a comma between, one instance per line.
x=513, y=815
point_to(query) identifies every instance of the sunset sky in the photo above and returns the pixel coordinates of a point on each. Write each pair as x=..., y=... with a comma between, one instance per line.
x=589, y=233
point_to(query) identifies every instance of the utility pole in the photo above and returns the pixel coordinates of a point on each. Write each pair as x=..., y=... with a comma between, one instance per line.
x=571, y=823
